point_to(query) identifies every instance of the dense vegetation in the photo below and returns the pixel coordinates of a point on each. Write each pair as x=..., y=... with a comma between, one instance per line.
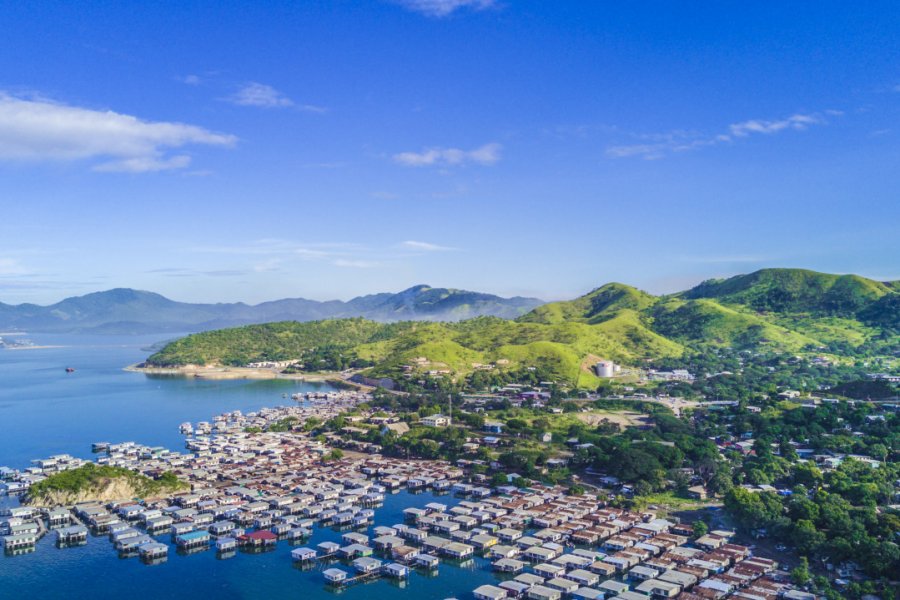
x=770, y=311
x=287, y=340
x=826, y=513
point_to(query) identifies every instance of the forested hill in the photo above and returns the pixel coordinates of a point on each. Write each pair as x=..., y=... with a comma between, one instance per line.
x=784, y=310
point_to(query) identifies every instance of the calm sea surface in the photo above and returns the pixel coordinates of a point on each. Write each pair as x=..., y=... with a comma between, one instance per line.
x=44, y=411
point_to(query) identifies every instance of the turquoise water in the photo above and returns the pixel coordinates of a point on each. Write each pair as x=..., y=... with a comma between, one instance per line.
x=44, y=411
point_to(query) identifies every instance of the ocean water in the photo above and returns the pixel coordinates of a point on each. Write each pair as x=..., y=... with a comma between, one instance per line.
x=45, y=411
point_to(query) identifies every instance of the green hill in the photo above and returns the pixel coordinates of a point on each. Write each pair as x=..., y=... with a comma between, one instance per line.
x=794, y=291
x=777, y=309
x=600, y=305
x=707, y=321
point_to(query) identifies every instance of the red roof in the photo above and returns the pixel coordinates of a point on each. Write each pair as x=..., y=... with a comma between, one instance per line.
x=260, y=535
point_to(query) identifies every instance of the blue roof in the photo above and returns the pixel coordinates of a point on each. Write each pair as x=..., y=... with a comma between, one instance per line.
x=194, y=535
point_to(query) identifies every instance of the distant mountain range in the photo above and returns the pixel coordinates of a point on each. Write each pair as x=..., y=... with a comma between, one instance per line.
x=783, y=310
x=128, y=311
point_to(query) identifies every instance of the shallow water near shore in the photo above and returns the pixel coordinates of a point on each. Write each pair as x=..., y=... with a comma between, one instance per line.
x=45, y=411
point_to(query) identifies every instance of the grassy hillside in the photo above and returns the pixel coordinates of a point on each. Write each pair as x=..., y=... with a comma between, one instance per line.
x=794, y=291
x=777, y=309
x=560, y=348
x=707, y=321
x=285, y=340
x=603, y=303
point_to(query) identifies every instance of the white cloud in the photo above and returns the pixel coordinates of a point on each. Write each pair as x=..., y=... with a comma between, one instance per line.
x=427, y=247
x=647, y=151
x=657, y=146
x=144, y=164
x=261, y=95
x=312, y=108
x=448, y=157
x=795, y=122
x=355, y=264
x=444, y=8
x=267, y=247
x=41, y=130
x=10, y=266
x=265, y=96
x=191, y=80
x=733, y=258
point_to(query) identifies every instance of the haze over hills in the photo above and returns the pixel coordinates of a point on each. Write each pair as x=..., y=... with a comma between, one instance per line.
x=128, y=311
x=785, y=310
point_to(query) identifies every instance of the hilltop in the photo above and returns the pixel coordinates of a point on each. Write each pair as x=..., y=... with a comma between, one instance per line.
x=783, y=310
x=128, y=311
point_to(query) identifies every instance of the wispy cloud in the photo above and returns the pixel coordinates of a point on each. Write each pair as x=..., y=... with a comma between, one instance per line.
x=487, y=154
x=261, y=95
x=35, y=130
x=144, y=164
x=355, y=264
x=795, y=122
x=268, y=247
x=326, y=165
x=655, y=146
x=190, y=79
x=11, y=267
x=444, y=8
x=184, y=272
x=425, y=246
x=726, y=259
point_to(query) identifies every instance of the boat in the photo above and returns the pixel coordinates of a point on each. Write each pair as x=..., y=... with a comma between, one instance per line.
x=70, y=370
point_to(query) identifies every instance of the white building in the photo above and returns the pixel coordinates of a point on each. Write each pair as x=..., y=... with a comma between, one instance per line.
x=436, y=421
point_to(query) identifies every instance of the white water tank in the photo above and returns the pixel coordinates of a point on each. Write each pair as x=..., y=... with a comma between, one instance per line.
x=605, y=368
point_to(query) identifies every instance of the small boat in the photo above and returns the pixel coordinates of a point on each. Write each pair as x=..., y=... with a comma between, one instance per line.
x=70, y=370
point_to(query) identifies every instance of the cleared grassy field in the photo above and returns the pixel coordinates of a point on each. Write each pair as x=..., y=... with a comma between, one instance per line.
x=624, y=418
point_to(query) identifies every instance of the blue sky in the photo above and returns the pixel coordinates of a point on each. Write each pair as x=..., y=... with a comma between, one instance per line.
x=220, y=151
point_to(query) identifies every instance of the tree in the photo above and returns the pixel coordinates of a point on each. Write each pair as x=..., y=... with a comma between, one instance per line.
x=753, y=510
x=499, y=479
x=800, y=573
x=700, y=528
x=801, y=507
x=335, y=454
x=806, y=537
x=879, y=451
x=680, y=480
x=807, y=474
x=721, y=481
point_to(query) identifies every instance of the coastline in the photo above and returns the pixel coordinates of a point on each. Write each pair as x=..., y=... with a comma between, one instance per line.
x=225, y=373
x=29, y=347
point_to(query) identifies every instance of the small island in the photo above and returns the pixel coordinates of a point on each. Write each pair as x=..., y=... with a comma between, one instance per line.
x=100, y=483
